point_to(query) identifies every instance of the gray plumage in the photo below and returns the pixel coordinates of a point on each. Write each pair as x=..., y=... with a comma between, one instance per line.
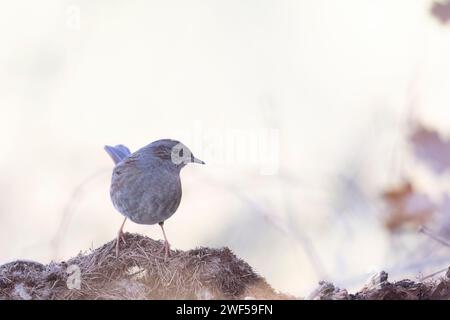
x=145, y=185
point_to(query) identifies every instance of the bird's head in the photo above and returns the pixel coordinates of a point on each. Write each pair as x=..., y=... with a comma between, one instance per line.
x=173, y=151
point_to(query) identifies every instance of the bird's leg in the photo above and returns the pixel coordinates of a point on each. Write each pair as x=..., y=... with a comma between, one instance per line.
x=166, y=247
x=119, y=237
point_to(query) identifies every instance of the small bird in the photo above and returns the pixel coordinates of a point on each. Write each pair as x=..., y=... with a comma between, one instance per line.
x=146, y=185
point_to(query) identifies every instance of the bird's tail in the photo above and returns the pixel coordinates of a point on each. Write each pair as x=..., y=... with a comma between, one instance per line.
x=117, y=153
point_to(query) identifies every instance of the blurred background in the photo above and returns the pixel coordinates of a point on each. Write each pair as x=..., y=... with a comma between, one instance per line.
x=324, y=126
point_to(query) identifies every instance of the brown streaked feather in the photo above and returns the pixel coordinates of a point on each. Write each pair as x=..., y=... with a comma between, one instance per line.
x=162, y=152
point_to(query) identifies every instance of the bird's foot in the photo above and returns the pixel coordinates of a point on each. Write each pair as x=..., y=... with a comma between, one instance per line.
x=117, y=248
x=120, y=236
x=166, y=249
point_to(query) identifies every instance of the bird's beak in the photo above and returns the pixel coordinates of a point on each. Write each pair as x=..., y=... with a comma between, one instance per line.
x=195, y=160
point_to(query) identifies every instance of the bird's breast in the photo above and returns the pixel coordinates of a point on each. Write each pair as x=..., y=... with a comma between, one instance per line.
x=147, y=197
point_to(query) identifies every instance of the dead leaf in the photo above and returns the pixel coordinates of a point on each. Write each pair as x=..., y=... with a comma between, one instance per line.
x=406, y=207
x=431, y=148
x=441, y=11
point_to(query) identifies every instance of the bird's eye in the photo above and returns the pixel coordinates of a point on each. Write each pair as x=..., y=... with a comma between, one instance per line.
x=180, y=153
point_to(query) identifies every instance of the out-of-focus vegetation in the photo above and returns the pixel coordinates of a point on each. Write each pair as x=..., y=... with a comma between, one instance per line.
x=354, y=95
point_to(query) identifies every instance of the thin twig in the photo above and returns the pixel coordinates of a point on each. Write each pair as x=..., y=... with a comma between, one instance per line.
x=433, y=274
x=429, y=233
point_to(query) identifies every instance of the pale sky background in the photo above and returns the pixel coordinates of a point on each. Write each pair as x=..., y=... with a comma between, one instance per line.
x=321, y=91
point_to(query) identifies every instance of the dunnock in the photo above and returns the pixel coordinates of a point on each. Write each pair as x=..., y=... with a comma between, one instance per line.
x=145, y=185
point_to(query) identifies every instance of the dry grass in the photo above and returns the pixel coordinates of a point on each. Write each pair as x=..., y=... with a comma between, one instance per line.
x=139, y=272
x=379, y=288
